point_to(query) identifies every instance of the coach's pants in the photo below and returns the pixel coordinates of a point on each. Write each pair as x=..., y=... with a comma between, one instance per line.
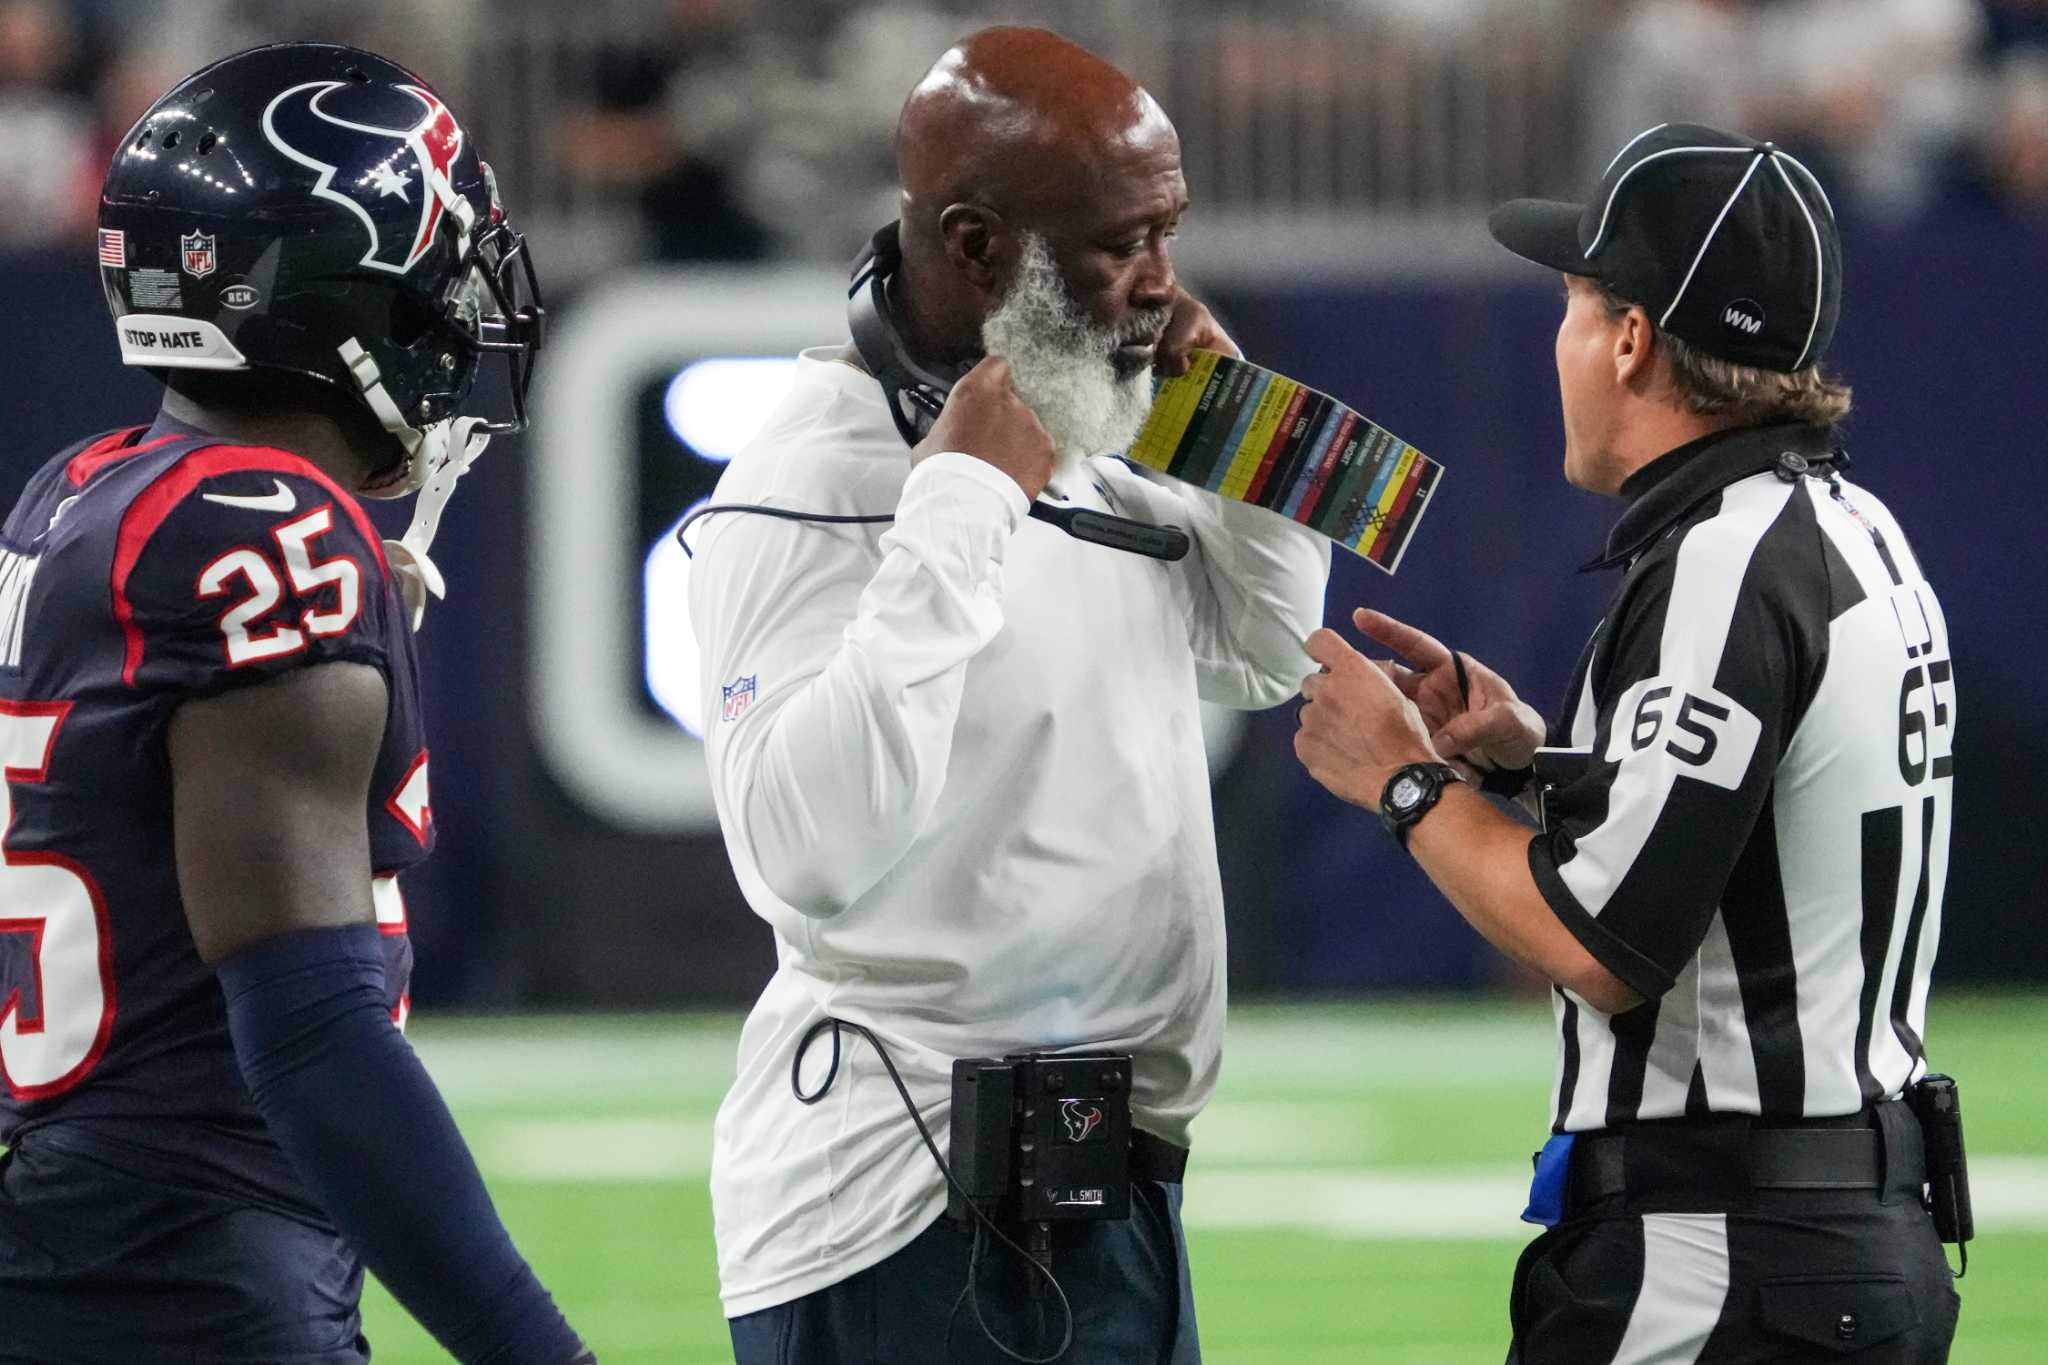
x=1836, y=1276
x=1126, y=1281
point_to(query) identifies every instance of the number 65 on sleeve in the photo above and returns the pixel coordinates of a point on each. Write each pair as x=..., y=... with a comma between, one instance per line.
x=1699, y=731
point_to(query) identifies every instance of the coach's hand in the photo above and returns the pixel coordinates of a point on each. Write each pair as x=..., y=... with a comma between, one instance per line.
x=1356, y=727
x=1486, y=728
x=1192, y=327
x=985, y=418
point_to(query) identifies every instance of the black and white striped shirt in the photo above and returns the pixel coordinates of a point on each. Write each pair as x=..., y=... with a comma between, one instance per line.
x=1753, y=826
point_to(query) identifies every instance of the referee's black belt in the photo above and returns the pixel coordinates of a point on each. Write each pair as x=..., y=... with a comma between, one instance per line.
x=1683, y=1165
x=1154, y=1158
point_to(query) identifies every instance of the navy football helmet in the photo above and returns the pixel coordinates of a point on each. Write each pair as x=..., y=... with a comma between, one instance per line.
x=318, y=210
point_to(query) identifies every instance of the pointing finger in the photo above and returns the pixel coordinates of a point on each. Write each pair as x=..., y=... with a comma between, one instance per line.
x=1419, y=647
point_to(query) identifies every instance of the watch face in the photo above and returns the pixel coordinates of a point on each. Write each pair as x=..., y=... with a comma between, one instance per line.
x=1406, y=793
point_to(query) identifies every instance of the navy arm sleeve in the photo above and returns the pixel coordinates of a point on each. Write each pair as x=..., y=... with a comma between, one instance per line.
x=357, y=1114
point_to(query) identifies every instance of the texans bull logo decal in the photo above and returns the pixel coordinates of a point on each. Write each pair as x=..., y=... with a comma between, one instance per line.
x=1082, y=1119
x=364, y=167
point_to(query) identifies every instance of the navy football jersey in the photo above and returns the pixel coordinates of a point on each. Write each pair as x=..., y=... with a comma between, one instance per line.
x=138, y=571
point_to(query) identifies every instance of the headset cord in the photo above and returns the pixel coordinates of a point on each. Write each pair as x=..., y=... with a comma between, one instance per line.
x=970, y=1292
x=785, y=513
x=1167, y=543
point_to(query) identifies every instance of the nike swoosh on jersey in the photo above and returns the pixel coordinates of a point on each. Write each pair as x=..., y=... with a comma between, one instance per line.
x=283, y=500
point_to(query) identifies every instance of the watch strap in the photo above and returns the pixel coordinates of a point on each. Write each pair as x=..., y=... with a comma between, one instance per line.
x=1433, y=779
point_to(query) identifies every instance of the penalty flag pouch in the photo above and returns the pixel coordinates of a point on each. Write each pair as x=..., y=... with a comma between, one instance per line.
x=1546, y=1190
x=1248, y=434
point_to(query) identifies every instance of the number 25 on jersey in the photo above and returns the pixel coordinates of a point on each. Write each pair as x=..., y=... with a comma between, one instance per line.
x=260, y=578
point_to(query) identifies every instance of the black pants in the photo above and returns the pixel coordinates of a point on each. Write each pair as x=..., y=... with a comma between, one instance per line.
x=1126, y=1281
x=1772, y=1275
x=99, y=1266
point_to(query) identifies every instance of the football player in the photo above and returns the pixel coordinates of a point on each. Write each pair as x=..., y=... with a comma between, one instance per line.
x=213, y=764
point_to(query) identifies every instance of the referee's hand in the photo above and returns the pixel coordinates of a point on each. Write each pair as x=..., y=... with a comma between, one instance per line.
x=1485, y=727
x=1356, y=729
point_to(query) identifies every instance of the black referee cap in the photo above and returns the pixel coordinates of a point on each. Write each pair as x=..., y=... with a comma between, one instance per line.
x=1726, y=242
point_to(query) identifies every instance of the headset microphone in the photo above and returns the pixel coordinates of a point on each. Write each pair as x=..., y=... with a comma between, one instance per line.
x=916, y=395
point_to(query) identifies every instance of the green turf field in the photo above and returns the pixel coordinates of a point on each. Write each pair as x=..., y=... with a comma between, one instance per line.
x=1356, y=1180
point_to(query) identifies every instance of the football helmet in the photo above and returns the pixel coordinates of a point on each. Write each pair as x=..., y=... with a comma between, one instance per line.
x=318, y=210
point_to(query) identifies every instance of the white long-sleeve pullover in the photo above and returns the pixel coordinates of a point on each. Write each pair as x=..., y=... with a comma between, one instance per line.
x=967, y=790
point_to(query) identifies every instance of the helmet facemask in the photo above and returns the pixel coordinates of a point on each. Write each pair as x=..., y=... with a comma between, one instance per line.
x=490, y=306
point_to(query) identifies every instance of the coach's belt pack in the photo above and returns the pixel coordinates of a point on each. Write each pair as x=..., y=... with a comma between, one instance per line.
x=1042, y=1137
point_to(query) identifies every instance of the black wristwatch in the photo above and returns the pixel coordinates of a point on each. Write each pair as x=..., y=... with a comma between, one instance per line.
x=1411, y=793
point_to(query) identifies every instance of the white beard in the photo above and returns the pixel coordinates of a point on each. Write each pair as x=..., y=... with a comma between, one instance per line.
x=1061, y=362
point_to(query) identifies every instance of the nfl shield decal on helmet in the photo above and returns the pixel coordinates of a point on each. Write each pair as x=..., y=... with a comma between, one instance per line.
x=196, y=249
x=394, y=180
x=739, y=695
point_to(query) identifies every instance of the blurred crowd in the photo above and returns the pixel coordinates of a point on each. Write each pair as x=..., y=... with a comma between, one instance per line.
x=727, y=130
x=1904, y=103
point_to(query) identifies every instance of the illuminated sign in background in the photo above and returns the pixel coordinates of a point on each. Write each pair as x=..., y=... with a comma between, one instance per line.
x=711, y=409
x=651, y=383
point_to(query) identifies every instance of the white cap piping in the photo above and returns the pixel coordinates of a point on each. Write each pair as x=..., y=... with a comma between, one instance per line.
x=1600, y=235
x=1708, y=240
x=1820, y=256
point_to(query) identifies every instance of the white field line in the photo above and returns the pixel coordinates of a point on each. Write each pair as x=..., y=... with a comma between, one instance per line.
x=1356, y=1202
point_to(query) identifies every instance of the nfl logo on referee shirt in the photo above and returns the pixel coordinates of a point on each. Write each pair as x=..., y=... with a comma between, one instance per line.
x=197, y=249
x=739, y=695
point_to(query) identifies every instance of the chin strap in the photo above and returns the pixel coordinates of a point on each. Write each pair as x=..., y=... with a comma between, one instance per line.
x=435, y=457
x=446, y=450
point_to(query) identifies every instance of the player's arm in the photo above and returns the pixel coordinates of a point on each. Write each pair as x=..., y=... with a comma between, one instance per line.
x=270, y=784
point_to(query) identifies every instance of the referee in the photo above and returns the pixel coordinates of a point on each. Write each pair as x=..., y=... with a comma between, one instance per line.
x=1746, y=803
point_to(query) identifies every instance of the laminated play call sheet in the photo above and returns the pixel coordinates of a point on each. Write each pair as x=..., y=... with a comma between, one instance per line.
x=1249, y=434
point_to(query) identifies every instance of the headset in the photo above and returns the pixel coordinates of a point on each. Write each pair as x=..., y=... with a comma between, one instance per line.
x=916, y=395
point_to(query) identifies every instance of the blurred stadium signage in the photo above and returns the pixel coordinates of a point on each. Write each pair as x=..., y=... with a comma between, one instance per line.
x=710, y=340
